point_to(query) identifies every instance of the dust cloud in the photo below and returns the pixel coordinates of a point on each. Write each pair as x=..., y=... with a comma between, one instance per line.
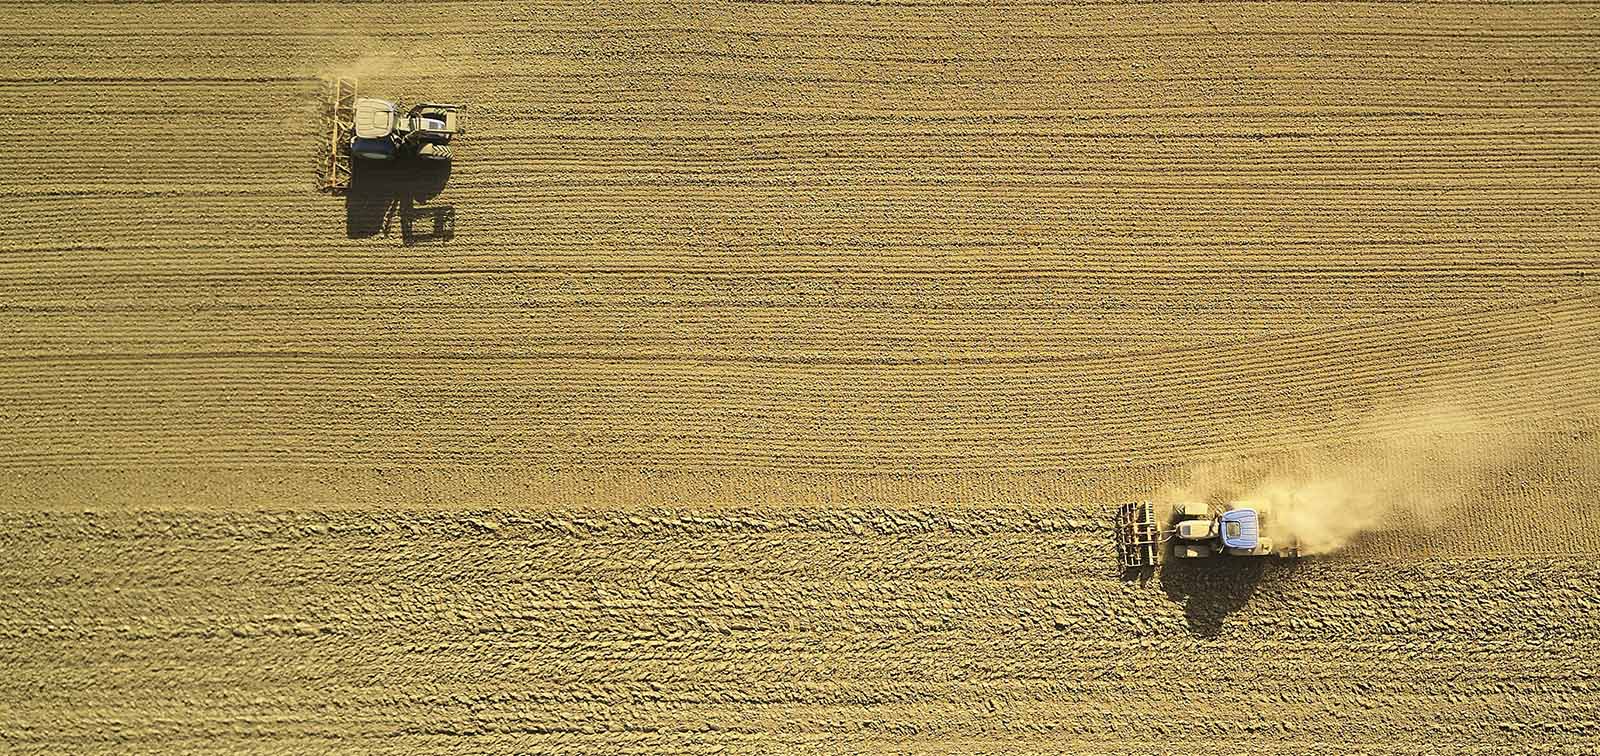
x=1414, y=474
x=375, y=63
x=381, y=58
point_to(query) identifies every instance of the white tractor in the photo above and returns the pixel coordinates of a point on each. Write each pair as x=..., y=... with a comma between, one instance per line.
x=374, y=129
x=381, y=133
x=1195, y=531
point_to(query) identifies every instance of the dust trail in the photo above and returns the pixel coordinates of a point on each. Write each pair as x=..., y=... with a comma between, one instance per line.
x=415, y=64
x=1415, y=478
x=377, y=62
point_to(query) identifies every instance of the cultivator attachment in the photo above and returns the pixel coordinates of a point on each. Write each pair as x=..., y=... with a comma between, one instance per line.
x=1138, y=538
x=340, y=115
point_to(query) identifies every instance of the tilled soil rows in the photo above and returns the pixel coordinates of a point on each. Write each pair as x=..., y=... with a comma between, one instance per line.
x=760, y=376
x=756, y=631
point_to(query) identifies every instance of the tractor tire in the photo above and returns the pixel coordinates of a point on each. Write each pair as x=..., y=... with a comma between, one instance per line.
x=439, y=152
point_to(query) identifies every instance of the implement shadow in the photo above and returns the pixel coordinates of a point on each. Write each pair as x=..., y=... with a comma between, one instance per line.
x=381, y=191
x=1212, y=589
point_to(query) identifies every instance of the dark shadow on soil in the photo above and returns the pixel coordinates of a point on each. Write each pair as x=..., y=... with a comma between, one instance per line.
x=380, y=192
x=1139, y=575
x=1212, y=589
x=422, y=225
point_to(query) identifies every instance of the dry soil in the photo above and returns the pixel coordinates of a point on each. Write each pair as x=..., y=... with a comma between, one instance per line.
x=761, y=375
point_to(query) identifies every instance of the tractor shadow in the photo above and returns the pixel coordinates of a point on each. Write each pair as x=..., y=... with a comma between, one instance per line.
x=382, y=192
x=1212, y=589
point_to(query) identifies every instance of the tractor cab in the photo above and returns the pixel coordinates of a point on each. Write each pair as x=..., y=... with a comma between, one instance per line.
x=1241, y=529
x=375, y=125
x=1241, y=533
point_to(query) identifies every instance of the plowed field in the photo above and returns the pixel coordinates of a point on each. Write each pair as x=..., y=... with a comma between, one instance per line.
x=761, y=376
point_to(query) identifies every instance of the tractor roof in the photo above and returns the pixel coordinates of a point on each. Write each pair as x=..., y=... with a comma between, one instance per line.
x=375, y=118
x=1241, y=529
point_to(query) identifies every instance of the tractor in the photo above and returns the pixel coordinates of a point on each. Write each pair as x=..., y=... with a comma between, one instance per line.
x=381, y=133
x=1194, y=531
x=372, y=129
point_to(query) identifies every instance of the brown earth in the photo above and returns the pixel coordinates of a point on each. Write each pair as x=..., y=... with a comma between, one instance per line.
x=774, y=384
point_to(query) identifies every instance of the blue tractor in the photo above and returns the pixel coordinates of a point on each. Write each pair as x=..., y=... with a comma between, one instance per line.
x=1194, y=531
